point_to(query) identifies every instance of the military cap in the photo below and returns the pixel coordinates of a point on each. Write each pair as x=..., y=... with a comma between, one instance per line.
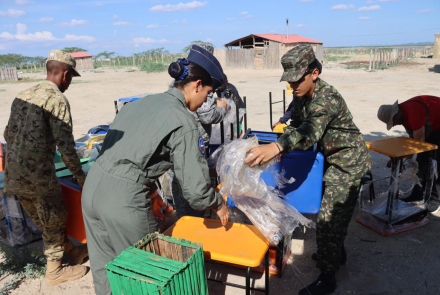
x=207, y=61
x=387, y=112
x=296, y=62
x=63, y=57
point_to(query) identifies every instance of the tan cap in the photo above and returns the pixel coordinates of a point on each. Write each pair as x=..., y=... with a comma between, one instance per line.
x=63, y=57
x=387, y=112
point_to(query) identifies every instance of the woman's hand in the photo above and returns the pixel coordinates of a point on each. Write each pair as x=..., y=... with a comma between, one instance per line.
x=223, y=214
x=263, y=154
x=221, y=103
x=157, y=205
x=275, y=124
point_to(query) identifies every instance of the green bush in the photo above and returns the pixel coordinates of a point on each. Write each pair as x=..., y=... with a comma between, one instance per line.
x=21, y=263
x=152, y=67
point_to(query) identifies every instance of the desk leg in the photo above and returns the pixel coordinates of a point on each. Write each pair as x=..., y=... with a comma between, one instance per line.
x=248, y=281
x=266, y=272
x=429, y=180
x=394, y=187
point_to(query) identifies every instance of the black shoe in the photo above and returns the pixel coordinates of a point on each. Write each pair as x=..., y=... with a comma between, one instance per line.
x=315, y=256
x=322, y=286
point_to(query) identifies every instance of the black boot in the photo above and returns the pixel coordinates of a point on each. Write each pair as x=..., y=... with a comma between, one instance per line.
x=325, y=284
x=315, y=256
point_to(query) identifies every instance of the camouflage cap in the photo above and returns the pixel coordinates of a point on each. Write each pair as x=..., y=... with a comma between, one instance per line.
x=63, y=57
x=296, y=61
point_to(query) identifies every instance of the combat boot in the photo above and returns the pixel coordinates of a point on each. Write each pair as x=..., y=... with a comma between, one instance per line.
x=56, y=273
x=77, y=254
x=325, y=284
x=315, y=256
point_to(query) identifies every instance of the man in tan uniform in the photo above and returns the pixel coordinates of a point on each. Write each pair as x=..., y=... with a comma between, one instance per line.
x=40, y=120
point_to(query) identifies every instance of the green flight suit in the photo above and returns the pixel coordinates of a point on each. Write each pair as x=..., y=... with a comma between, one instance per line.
x=146, y=138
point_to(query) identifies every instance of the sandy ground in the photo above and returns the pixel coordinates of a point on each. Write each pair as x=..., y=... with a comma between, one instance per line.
x=407, y=263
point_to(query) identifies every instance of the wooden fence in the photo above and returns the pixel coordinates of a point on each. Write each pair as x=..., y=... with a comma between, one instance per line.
x=8, y=74
x=380, y=58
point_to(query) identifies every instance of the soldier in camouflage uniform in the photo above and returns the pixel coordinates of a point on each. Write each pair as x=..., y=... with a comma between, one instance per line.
x=40, y=120
x=320, y=115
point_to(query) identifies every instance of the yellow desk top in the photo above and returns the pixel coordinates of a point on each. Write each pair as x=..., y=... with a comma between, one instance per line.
x=400, y=146
x=234, y=243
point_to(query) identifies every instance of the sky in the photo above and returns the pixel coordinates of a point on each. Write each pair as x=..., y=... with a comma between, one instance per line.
x=34, y=27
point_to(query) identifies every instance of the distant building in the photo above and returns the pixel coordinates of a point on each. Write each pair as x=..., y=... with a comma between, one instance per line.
x=266, y=50
x=83, y=60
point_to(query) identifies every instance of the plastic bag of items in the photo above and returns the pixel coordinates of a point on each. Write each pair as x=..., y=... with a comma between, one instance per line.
x=263, y=205
x=16, y=227
x=230, y=118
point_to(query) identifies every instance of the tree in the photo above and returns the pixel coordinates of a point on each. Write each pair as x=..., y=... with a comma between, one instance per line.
x=186, y=49
x=105, y=54
x=73, y=49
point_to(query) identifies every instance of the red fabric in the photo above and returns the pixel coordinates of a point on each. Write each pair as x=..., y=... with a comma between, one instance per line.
x=414, y=112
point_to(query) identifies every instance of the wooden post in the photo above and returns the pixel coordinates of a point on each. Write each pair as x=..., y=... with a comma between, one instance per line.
x=374, y=59
x=371, y=56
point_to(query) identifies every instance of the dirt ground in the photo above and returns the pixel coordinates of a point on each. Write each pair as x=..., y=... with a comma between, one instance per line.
x=406, y=263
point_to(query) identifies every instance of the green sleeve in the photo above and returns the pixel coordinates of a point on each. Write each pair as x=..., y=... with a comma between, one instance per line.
x=310, y=130
x=192, y=172
x=60, y=121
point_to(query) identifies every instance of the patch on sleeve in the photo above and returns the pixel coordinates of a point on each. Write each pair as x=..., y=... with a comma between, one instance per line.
x=202, y=148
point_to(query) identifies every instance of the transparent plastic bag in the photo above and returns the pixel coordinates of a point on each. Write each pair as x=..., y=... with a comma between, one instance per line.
x=409, y=174
x=17, y=228
x=230, y=118
x=263, y=205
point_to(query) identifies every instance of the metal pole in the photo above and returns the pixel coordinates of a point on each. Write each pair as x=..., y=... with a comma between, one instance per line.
x=237, y=112
x=232, y=131
x=245, y=112
x=284, y=101
x=222, y=133
x=116, y=107
x=270, y=109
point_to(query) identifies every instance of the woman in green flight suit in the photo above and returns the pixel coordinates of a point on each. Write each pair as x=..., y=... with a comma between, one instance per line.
x=146, y=138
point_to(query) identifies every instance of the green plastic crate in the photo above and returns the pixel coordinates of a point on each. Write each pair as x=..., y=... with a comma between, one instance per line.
x=160, y=265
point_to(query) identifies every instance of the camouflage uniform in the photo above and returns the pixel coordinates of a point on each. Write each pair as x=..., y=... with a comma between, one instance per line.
x=325, y=119
x=40, y=120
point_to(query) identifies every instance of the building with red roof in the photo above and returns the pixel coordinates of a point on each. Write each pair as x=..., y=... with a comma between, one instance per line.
x=264, y=51
x=83, y=60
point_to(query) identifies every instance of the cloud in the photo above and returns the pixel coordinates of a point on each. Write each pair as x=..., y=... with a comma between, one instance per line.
x=426, y=11
x=99, y=4
x=46, y=19
x=22, y=2
x=41, y=36
x=301, y=25
x=369, y=8
x=152, y=26
x=209, y=40
x=243, y=13
x=370, y=2
x=73, y=23
x=364, y=17
x=116, y=16
x=125, y=24
x=182, y=21
x=305, y=0
x=9, y=26
x=342, y=7
x=388, y=0
x=250, y=16
x=12, y=13
x=230, y=19
x=178, y=7
x=149, y=40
